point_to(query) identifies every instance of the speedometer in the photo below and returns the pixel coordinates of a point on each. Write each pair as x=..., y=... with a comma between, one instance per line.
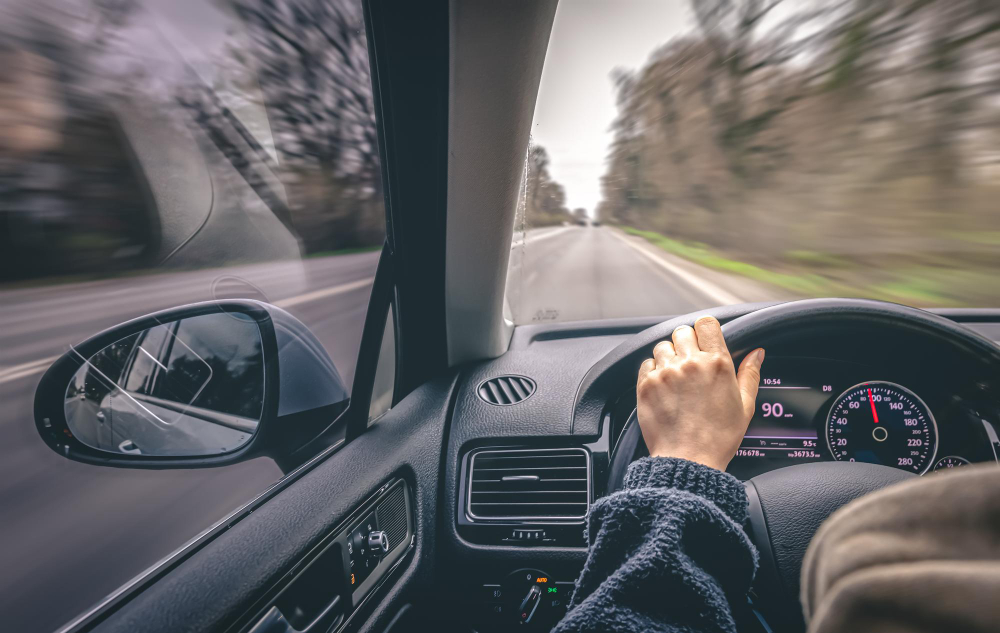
x=882, y=423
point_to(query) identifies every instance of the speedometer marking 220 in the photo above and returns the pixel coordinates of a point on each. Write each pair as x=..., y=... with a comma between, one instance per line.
x=882, y=423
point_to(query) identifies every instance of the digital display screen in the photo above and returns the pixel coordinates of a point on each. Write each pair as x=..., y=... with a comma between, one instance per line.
x=787, y=427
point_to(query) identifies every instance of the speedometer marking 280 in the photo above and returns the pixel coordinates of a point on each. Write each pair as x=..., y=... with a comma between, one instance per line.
x=882, y=423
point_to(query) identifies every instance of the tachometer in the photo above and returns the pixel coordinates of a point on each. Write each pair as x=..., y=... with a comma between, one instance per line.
x=882, y=423
x=951, y=461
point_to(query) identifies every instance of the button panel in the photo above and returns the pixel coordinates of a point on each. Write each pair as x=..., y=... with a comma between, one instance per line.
x=527, y=599
x=362, y=559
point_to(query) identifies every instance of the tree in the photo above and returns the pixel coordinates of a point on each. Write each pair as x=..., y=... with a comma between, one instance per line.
x=544, y=200
x=310, y=61
x=777, y=128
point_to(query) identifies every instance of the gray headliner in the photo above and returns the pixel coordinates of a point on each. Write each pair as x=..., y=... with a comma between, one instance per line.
x=496, y=57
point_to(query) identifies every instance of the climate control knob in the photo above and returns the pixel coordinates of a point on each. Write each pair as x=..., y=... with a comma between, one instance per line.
x=378, y=543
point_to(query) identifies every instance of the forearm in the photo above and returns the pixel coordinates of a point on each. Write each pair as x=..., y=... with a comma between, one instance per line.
x=667, y=553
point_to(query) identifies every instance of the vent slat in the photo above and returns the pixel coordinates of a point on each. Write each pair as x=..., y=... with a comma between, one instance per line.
x=506, y=390
x=495, y=393
x=534, y=468
x=541, y=484
x=518, y=388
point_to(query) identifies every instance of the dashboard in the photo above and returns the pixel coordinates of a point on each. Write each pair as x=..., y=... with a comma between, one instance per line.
x=519, y=476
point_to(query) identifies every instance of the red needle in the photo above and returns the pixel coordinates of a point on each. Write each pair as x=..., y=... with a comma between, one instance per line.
x=872, y=402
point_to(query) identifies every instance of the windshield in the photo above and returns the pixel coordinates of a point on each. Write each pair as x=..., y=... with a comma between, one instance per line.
x=692, y=154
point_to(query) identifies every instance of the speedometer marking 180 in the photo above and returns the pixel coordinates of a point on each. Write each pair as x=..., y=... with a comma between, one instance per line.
x=882, y=423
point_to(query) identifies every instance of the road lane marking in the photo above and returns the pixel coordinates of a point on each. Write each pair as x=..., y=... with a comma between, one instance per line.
x=532, y=239
x=708, y=288
x=26, y=369
x=528, y=238
x=16, y=372
x=324, y=293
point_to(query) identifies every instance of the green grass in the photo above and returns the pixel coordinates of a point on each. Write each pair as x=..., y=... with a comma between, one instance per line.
x=984, y=238
x=813, y=274
x=803, y=284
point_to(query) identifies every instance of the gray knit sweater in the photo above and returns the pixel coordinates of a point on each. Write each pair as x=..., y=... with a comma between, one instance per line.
x=667, y=553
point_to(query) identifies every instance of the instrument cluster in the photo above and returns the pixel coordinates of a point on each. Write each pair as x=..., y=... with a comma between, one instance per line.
x=811, y=409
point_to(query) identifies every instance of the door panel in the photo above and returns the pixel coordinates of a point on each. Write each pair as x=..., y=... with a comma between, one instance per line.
x=214, y=588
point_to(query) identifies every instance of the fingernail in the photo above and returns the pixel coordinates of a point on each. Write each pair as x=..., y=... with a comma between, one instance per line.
x=760, y=356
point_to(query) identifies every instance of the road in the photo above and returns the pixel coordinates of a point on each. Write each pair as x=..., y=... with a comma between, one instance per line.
x=71, y=533
x=579, y=273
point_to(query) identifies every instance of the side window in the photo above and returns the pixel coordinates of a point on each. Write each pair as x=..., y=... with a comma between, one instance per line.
x=153, y=154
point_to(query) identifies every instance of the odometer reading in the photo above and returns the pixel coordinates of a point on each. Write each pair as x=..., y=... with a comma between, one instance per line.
x=882, y=423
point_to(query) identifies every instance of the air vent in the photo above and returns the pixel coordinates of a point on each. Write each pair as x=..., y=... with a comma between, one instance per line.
x=529, y=485
x=505, y=390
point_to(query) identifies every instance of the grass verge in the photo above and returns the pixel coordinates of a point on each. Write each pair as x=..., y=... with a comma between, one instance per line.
x=811, y=274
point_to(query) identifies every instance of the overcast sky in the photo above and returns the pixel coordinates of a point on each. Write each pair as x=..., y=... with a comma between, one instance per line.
x=576, y=100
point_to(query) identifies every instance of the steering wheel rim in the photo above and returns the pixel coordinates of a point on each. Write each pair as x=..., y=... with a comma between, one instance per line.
x=782, y=533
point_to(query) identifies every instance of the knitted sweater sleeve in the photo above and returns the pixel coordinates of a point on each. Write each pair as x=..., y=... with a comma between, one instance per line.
x=666, y=553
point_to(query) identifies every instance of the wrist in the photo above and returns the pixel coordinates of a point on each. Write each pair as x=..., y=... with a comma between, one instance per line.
x=716, y=486
x=711, y=461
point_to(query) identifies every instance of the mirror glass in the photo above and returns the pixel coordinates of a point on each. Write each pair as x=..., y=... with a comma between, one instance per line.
x=190, y=387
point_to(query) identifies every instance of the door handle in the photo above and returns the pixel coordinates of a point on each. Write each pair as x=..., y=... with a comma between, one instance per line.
x=274, y=621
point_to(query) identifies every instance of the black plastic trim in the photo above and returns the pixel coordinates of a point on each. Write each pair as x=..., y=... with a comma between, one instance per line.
x=409, y=49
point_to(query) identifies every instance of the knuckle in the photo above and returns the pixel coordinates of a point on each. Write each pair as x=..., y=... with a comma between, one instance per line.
x=687, y=367
x=661, y=346
x=718, y=362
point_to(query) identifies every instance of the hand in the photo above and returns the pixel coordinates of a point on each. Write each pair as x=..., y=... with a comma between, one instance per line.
x=691, y=402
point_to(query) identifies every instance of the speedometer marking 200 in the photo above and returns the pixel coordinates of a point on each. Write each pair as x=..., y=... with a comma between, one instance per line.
x=882, y=423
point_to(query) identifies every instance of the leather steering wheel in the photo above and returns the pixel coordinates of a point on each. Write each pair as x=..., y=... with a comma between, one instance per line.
x=787, y=505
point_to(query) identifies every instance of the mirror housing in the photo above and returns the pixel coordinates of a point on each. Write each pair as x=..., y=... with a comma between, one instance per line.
x=303, y=393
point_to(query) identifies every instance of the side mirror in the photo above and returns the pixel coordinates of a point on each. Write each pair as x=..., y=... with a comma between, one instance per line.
x=202, y=385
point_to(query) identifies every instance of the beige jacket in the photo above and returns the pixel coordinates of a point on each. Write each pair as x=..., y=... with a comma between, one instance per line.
x=921, y=556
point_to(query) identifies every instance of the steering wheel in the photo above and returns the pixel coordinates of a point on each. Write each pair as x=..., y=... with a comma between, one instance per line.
x=787, y=505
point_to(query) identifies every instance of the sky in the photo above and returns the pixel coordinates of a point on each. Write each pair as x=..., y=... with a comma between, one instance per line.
x=576, y=99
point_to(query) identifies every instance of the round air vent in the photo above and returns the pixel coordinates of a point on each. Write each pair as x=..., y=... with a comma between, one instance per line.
x=504, y=390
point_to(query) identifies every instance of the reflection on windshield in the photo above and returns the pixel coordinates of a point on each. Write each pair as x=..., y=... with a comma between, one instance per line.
x=763, y=150
x=106, y=106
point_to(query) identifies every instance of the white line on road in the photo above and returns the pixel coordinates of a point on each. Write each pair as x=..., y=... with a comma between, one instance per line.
x=528, y=238
x=9, y=373
x=36, y=366
x=715, y=292
x=324, y=293
x=40, y=367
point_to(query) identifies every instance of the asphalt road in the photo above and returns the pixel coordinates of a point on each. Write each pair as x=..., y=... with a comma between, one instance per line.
x=579, y=273
x=71, y=533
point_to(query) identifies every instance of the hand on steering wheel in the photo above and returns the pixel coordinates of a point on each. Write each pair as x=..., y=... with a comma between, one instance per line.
x=691, y=402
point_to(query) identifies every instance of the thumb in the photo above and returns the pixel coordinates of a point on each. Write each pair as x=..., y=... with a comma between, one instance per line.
x=748, y=379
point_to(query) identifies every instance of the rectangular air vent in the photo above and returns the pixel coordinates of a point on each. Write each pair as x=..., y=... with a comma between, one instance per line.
x=529, y=485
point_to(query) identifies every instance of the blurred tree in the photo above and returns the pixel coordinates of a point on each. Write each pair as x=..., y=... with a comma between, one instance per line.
x=544, y=199
x=778, y=130
x=309, y=61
